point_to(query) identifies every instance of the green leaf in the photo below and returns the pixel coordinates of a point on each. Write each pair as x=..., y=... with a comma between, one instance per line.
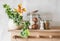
x=6, y=6
x=25, y=33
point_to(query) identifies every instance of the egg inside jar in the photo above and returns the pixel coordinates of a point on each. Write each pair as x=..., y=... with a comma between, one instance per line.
x=35, y=25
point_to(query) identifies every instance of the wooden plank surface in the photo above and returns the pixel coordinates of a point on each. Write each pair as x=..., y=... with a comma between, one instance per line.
x=40, y=35
x=52, y=29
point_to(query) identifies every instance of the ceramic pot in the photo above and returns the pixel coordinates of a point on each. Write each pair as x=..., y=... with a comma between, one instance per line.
x=11, y=25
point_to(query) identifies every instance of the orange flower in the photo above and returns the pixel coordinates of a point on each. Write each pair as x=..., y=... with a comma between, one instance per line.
x=20, y=9
x=24, y=9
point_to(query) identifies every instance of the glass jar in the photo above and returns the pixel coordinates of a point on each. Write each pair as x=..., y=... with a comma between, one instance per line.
x=34, y=19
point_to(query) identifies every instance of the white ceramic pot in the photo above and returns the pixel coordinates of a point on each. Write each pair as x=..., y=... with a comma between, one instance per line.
x=12, y=25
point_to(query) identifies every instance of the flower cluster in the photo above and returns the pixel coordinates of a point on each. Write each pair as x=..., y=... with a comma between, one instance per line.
x=20, y=9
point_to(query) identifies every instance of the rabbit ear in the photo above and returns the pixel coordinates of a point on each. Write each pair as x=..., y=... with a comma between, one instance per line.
x=34, y=11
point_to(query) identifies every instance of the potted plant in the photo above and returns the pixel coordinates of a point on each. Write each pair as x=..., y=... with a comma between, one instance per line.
x=15, y=15
x=17, y=18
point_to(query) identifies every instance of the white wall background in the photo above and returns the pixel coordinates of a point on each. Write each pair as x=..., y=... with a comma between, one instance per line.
x=49, y=8
x=45, y=7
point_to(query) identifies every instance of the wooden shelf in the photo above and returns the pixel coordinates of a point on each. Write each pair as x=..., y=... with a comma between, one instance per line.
x=33, y=37
x=52, y=29
x=37, y=35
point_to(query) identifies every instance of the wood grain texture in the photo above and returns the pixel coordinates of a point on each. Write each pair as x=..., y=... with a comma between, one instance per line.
x=37, y=35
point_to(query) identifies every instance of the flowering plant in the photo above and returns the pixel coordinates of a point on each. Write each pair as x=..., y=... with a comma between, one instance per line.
x=16, y=15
